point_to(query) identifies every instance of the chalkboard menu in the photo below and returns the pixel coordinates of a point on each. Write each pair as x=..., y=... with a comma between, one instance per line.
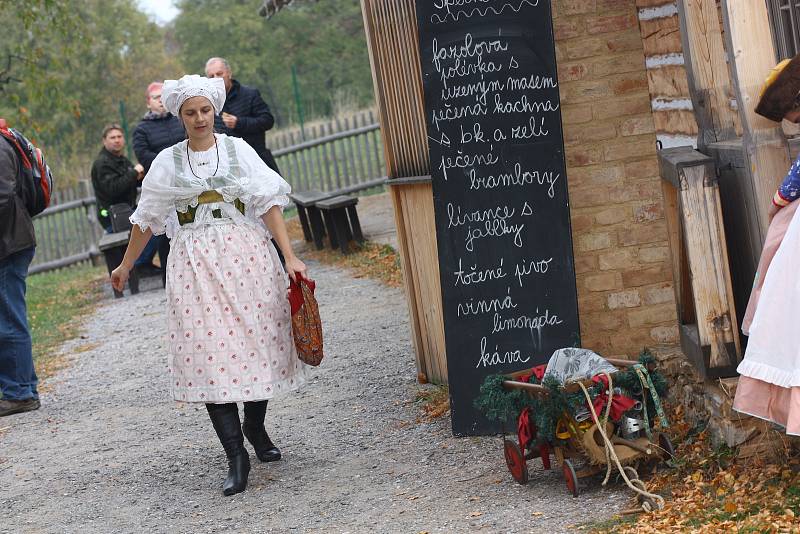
x=500, y=191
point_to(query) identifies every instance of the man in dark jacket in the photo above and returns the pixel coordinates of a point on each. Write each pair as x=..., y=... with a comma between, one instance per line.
x=245, y=114
x=159, y=129
x=17, y=244
x=115, y=180
x=114, y=177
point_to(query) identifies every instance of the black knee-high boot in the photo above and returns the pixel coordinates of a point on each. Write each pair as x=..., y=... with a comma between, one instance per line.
x=256, y=434
x=225, y=418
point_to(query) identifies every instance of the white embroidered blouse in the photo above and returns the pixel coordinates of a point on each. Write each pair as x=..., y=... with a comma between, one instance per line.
x=179, y=175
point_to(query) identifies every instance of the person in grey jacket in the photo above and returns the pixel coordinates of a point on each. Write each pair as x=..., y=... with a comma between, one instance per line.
x=18, y=379
x=157, y=130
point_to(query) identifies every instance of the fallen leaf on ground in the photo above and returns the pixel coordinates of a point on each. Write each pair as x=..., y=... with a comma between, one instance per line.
x=729, y=507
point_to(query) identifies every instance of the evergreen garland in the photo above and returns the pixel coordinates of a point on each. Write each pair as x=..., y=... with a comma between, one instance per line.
x=498, y=403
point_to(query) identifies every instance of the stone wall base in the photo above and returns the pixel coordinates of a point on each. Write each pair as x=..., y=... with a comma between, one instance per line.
x=710, y=402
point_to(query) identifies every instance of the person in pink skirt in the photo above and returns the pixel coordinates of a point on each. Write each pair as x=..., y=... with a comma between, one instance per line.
x=228, y=318
x=769, y=385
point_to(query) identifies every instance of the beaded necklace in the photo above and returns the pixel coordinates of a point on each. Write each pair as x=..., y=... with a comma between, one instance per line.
x=216, y=146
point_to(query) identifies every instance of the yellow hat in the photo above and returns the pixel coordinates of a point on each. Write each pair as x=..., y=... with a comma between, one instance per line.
x=773, y=75
x=780, y=90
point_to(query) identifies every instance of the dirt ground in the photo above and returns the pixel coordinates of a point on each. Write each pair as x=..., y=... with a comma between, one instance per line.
x=109, y=451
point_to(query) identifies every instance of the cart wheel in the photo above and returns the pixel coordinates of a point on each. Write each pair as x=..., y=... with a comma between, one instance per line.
x=570, y=477
x=515, y=461
x=665, y=443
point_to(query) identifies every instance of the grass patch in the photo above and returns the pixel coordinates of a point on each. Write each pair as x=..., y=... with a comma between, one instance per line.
x=368, y=260
x=613, y=524
x=57, y=300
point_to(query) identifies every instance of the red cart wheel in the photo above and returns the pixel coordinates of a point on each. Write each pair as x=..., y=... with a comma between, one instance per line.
x=665, y=443
x=515, y=461
x=570, y=477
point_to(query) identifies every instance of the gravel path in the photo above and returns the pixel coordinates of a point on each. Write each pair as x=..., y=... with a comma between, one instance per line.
x=110, y=452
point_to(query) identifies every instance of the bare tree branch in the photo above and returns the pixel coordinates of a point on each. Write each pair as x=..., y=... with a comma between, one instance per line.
x=270, y=7
x=5, y=74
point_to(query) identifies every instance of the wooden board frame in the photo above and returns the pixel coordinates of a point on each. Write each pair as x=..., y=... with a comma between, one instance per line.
x=704, y=294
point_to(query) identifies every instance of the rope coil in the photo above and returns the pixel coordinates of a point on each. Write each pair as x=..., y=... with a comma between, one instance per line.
x=632, y=482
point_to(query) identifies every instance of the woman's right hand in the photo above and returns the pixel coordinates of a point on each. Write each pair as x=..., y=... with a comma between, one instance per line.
x=295, y=267
x=119, y=276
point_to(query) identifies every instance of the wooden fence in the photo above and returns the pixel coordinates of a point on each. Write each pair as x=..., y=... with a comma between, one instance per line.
x=294, y=135
x=67, y=232
x=340, y=155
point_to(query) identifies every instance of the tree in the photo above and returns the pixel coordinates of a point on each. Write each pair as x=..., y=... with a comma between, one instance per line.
x=72, y=62
x=323, y=41
x=54, y=14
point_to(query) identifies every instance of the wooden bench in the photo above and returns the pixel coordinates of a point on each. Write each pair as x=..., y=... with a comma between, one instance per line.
x=113, y=248
x=341, y=220
x=310, y=217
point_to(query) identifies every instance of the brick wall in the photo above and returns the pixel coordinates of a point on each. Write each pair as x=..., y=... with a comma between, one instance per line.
x=622, y=257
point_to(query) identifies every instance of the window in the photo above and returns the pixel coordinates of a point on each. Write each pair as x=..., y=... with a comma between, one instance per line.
x=784, y=17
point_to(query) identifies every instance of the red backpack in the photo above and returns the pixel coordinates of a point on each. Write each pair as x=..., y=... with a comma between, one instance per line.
x=36, y=180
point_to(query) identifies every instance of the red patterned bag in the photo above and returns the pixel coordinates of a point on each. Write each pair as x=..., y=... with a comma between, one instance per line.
x=306, y=324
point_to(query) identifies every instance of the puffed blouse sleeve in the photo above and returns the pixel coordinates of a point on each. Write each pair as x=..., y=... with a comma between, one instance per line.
x=266, y=187
x=157, y=200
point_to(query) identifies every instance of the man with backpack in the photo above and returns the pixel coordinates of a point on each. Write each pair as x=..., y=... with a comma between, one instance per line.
x=25, y=184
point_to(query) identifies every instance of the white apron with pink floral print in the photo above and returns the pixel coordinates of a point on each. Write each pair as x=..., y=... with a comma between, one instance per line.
x=229, y=324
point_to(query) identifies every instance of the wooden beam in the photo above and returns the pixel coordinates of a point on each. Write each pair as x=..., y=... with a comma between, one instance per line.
x=707, y=70
x=752, y=55
x=667, y=82
x=704, y=236
x=391, y=29
x=392, y=44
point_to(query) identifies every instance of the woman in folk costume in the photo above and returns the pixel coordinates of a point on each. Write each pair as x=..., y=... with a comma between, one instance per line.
x=229, y=324
x=769, y=385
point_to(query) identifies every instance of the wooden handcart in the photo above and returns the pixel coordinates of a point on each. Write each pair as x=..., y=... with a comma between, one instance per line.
x=580, y=441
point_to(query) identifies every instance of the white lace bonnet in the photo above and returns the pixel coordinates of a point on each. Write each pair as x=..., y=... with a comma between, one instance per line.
x=176, y=92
